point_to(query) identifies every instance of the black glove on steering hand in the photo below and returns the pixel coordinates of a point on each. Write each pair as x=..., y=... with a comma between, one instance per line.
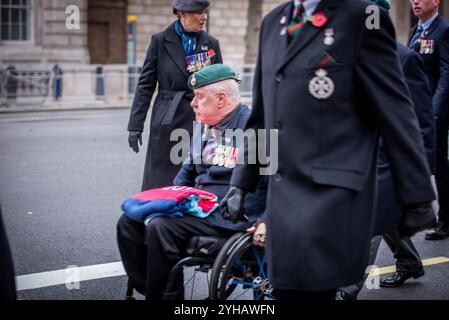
x=231, y=207
x=134, y=138
x=416, y=217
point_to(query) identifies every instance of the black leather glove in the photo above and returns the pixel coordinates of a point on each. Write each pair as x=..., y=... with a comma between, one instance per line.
x=231, y=207
x=416, y=217
x=134, y=138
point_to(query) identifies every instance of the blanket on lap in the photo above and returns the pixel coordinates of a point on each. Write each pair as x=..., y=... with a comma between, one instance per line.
x=169, y=201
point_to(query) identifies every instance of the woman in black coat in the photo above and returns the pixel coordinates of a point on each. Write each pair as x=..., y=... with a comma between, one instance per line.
x=173, y=55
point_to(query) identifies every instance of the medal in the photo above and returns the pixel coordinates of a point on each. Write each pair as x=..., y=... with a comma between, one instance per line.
x=329, y=37
x=321, y=87
x=283, y=31
x=283, y=20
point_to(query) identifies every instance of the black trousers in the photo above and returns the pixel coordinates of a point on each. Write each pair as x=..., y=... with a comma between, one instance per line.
x=404, y=251
x=150, y=252
x=442, y=170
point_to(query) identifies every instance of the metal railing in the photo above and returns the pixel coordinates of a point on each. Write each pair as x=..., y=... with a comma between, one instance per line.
x=81, y=84
x=34, y=86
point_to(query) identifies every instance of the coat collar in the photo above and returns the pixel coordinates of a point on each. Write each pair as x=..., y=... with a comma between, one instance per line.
x=176, y=51
x=307, y=33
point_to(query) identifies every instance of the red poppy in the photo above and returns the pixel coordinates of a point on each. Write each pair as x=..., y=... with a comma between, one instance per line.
x=211, y=52
x=319, y=19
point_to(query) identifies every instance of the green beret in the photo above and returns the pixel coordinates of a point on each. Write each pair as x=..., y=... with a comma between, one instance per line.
x=211, y=74
x=382, y=3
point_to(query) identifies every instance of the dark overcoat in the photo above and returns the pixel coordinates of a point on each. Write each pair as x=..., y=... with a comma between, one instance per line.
x=388, y=210
x=320, y=203
x=165, y=67
x=434, y=50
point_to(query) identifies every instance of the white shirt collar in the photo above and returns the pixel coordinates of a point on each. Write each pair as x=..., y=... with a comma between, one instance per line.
x=310, y=6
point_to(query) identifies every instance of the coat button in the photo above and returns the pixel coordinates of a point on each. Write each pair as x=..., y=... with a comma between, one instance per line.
x=277, y=125
x=277, y=177
x=279, y=77
x=200, y=186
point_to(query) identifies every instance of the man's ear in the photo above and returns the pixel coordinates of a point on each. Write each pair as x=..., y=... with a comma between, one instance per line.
x=221, y=99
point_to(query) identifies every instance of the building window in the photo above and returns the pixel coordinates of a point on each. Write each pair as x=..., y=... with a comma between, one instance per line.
x=15, y=20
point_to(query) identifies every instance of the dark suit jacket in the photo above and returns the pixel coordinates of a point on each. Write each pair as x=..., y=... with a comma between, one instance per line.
x=437, y=63
x=320, y=204
x=216, y=179
x=165, y=67
x=388, y=207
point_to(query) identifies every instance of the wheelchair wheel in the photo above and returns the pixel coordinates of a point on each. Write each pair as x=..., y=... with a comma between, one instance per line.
x=243, y=264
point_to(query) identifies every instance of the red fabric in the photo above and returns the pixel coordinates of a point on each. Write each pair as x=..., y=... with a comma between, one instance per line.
x=207, y=202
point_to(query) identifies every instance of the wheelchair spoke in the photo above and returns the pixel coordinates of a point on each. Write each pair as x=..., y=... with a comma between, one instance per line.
x=193, y=285
x=260, y=262
x=191, y=278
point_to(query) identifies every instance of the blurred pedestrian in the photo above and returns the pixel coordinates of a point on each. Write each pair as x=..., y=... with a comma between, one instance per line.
x=430, y=38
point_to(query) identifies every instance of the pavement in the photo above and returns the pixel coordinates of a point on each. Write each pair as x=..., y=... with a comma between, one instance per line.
x=65, y=106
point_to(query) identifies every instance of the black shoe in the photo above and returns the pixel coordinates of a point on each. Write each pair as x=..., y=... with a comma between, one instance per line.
x=343, y=295
x=399, y=277
x=439, y=233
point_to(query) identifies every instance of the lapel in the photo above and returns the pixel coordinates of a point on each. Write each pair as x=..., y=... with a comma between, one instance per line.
x=284, y=21
x=432, y=27
x=175, y=50
x=410, y=35
x=308, y=32
x=203, y=40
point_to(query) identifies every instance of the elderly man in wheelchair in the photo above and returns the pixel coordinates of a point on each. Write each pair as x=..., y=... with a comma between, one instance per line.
x=155, y=253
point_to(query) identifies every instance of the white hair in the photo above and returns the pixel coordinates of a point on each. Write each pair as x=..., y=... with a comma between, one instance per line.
x=228, y=86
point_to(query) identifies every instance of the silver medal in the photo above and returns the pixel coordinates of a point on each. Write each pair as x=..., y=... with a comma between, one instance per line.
x=321, y=87
x=329, y=37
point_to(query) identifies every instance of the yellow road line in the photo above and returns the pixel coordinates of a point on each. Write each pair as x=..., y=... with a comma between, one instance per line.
x=425, y=262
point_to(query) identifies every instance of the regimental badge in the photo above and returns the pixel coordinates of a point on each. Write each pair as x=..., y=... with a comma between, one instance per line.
x=193, y=81
x=321, y=87
x=329, y=37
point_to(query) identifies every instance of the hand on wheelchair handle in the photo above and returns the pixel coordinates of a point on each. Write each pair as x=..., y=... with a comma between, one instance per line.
x=231, y=207
x=259, y=231
x=134, y=138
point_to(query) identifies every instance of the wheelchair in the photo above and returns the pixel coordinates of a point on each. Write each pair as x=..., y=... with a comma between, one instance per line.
x=234, y=268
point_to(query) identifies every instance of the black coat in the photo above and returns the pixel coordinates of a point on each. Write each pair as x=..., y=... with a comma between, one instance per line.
x=7, y=278
x=165, y=65
x=388, y=207
x=320, y=204
x=436, y=63
x=216, y=179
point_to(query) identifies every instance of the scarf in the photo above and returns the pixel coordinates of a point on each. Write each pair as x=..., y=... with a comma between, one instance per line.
x=188, y=38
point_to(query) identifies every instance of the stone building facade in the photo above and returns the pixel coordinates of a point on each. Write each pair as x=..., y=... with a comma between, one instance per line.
x=104, y=36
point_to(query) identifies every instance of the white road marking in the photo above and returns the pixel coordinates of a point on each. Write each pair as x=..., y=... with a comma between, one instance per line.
x=116, y=269
x=58, y=277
